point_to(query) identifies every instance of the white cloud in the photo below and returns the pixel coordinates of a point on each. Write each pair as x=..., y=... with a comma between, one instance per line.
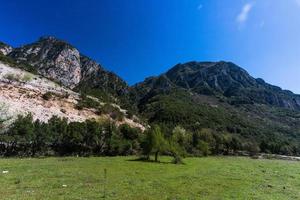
x=243, y=16
x=298, y=2
x=200, y=6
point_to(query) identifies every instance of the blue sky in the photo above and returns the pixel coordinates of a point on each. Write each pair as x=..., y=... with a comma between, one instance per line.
x=141, y=38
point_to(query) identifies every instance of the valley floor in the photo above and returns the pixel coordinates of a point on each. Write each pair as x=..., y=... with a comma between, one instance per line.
x=199, y=178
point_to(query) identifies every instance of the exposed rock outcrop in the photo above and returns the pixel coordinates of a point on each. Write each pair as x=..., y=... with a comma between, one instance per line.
x=5, y=49
x=60, y=61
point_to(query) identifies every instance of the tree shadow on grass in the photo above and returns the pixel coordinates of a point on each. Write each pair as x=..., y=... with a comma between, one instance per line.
x=150, y=161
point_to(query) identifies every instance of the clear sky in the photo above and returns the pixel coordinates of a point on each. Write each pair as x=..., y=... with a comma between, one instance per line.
x=141, y=38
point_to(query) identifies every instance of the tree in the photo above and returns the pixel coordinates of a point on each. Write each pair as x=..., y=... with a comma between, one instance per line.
x=235, y=144
x=181, y=136
x=154, y=143
x=41, y=135
x=22, y=134
x=203, y=142
x=3, y=115
x=179, y=143
x=203, y=147
x=128, y=132
x=252, y=148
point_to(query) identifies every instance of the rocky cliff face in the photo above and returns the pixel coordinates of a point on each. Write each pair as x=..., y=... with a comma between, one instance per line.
x=5, y=49
x=220, y=79
x=59, y=61
x=53, y=59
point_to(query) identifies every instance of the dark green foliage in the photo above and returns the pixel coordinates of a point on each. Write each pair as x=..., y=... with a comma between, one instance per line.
x=23, y=65
x=232, y=128
x=47, y=96
x=154, y=143
x=87, y=102
x=58, y=137
x=113, y=111
x=241, y=112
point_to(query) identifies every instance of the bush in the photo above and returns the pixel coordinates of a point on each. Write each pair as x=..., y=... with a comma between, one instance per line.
x=87, y=102
x=27, y=77
x=18, y=77
x=128, y=132
x=47, y=96
x=112, y=111
x=22, y=65
x=12, y=77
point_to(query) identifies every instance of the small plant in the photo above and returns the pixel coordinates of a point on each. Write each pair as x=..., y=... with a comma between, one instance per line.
x=18, y=181
x=47, y=96
x=87, y=102
x=27, y=77
x=12, y=77
x=112, y=111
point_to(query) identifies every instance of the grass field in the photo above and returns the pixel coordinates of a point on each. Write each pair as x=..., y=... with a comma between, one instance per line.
x=199, y=178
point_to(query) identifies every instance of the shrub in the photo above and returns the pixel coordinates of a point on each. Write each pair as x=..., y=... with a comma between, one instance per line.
x=22, y=65
x=128, y=132
x=27, y=77
x=87, y=102
x=47, y=96
x=112, y=111
x=12, y=77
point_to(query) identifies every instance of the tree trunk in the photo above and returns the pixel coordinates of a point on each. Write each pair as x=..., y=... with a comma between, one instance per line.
x=156, y=156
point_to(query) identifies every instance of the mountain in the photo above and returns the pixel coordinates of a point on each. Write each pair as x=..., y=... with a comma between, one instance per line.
x=63, y=63
x=222, y=79
x=52, y=78
x=218, y=96
x=224, y=98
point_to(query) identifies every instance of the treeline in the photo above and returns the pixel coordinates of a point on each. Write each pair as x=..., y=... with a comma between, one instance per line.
x=58, y=137
x=223, y=130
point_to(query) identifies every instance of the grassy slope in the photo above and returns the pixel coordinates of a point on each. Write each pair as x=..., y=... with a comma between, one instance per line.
x=199, y=178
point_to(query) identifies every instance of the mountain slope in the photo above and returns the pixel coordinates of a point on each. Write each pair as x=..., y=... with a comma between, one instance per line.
x=219, y=96
x=222, y=79
x=60, y=61
x=23, y=93
x=224, y=98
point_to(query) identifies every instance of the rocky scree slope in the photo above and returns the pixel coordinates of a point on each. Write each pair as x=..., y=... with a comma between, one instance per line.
x=23, y=93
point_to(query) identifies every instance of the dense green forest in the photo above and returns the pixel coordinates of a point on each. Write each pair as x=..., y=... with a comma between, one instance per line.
x=59, y=137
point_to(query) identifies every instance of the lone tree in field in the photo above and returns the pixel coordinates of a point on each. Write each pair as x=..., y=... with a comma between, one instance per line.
x=154, y=143
x=178, y=144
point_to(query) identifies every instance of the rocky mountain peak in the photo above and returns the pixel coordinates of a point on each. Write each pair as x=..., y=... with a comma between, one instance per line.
x=220, y=79
x=58, y=60
x=53, y=58
x=5, y=49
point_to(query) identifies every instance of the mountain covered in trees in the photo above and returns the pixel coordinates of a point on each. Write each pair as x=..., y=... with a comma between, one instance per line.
x=208, y=107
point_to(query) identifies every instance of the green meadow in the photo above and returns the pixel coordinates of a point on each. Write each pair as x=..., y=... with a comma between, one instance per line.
x=124, y=178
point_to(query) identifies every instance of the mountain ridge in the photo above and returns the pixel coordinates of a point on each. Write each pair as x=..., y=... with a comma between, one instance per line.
x=62, y=62
x=219, y=96
x=221, y=78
